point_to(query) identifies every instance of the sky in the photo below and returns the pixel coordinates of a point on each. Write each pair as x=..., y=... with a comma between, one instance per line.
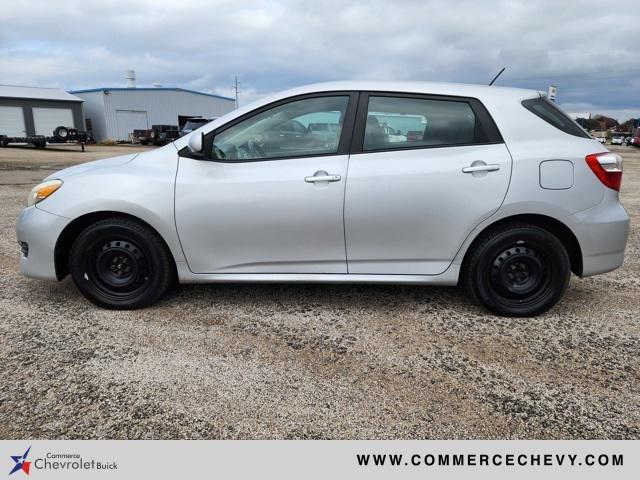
x=588, y=49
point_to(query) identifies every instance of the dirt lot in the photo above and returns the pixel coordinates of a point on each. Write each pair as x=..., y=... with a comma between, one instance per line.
x=322, y=361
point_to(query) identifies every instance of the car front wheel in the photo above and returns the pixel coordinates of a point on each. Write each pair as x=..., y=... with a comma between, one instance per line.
x=120, y=263
x=517, y=270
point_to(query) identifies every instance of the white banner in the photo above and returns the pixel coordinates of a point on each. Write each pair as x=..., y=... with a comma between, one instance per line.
x=320, y=459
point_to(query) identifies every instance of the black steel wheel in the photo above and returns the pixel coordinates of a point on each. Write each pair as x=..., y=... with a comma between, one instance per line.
x=119, y=267
x=120, y=263
x=517, y=270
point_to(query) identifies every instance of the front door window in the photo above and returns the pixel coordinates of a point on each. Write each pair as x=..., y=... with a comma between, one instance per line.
x=307, y=127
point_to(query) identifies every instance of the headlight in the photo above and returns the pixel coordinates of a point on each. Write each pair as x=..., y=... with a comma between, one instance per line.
x=42, y=191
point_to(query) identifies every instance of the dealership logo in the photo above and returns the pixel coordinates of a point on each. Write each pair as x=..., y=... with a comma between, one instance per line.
x=59, y=461
x=21, y=462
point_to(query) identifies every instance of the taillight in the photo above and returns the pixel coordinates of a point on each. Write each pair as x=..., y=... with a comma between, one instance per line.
x=608, y=168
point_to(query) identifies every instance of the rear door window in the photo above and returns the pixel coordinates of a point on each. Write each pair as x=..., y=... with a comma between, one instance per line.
x=403, y=122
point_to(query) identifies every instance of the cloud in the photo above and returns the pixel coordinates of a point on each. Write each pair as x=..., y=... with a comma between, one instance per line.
x=586, y=50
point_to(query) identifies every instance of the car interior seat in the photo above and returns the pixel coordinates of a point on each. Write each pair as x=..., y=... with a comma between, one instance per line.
x=375, y=136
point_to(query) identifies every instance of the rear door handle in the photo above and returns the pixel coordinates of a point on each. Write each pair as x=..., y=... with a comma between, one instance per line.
x=492, y=167
x=322, y=178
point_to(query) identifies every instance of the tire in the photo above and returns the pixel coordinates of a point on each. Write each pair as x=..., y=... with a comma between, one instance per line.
x=144, y=142
x=61, y=133
x=121, y=264
x=517, y=270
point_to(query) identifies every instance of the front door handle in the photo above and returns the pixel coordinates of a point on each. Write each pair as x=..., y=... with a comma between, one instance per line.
x=482, y=167
x=322, y=178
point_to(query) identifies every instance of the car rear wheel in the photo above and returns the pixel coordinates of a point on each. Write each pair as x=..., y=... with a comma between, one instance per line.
x=119, y=263
x=517, y=270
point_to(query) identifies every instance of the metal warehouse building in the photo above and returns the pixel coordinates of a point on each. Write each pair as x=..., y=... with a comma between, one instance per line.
x=29, y=111
x=115, y=112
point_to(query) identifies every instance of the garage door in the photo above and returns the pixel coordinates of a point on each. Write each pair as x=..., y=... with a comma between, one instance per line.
x=47, y=119
x=12, y=122
x=129, y=120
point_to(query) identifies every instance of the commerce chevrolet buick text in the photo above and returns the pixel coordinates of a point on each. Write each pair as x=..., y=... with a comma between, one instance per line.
x=371, y=182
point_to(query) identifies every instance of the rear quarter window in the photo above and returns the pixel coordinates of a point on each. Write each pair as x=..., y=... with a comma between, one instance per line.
x=550, y=113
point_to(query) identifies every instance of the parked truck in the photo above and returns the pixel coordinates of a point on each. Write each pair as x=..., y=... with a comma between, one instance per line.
x=156, y=135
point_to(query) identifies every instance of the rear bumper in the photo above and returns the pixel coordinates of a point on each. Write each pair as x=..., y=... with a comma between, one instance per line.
x=40, y=231
x=602, y=232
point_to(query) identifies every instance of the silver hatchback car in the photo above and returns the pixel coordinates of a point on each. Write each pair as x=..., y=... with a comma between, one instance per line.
x=368, y=182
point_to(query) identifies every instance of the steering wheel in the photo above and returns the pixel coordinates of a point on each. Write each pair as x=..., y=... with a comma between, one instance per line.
x=240, y=153
x=257, y=146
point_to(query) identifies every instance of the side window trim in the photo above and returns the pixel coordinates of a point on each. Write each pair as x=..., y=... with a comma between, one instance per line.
x=343, y=144
x=484, y=121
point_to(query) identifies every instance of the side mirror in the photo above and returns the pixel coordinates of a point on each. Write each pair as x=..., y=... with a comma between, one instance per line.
x=196, y=143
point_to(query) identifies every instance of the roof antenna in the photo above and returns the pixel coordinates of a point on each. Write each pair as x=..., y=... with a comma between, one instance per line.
x=496, y=77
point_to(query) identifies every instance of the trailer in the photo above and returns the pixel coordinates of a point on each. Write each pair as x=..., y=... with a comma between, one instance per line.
x=60, y=134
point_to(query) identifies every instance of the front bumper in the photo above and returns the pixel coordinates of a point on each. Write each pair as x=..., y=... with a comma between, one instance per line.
x=602, y=232
x=40, y=231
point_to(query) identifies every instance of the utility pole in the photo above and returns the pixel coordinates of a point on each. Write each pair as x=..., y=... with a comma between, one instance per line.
x=236, y=88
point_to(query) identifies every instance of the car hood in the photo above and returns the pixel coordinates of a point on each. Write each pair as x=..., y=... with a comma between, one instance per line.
x=92, y=166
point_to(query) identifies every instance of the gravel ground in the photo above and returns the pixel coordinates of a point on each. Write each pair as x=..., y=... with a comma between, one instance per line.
x=311, y=361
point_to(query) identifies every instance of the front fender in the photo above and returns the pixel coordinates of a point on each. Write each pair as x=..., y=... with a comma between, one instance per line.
x=142, y=188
